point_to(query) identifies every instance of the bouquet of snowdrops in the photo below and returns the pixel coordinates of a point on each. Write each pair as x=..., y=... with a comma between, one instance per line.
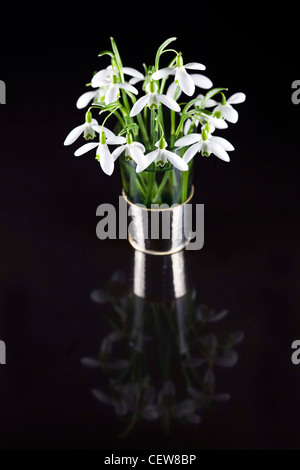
x=157, y=135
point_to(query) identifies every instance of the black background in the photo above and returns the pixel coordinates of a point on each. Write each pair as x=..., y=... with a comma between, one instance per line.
x=51, y=259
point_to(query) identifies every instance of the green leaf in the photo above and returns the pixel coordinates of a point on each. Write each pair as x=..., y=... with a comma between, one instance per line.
x=117, y=57
x=106, y=53
x=160, y=51
x=211, y=94
x=131, y=127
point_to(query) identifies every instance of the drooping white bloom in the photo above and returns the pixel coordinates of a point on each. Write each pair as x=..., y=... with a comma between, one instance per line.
x=186, y=81
x=153, y=99
x=225, y=108
x=97, y=96
x=206, y=144
x=215, y=123
x=113, y=85
x=133, y=150
x=103, y=155
x=88, y=130
x=109, y=72
x=161, y=156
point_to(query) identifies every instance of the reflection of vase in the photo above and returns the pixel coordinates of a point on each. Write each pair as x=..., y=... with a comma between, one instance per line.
x=159, y=359
x=160, y=279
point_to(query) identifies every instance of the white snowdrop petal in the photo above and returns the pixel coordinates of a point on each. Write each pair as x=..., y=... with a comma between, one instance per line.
x=85, y=99
x=172, y=90
x=136, y=154
x=90, y=362
x=106, y=160
x=185, y=81
x=188, y=140
x=169, y=102
x=237, y=98
x=133, y=73
x=112, y=94
x=74, y=135
x=163, y=73
x=191, y=152
x=223, y=142
x=202, y=81
x=139, y=105
x=219, y=151
x=218, y=124
x=116, y=153
x=147, y=161
x=86, y=148
x=140, y=146
x=100, y=396
x=177, y=161
x=210, y=103
x=230, y=114
x=195, y=66
x=128, y=87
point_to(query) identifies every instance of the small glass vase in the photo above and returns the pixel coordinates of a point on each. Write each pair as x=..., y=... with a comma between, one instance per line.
x=156, y=185
x=157, y=199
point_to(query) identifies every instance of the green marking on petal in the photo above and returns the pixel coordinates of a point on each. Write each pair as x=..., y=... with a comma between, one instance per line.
x=89, y=137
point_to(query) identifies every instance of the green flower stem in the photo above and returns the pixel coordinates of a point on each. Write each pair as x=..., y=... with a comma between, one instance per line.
x=144, y=132
x=151, y=182
x=185, y=179
x=161, y=187
x=141, y=187
x=173, y=128
x=152, y=128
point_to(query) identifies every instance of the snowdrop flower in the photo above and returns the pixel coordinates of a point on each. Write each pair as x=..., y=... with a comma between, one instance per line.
x=206, y=144
x=141, y=400
x=88, y=129
x=214, y=122
x=207, y=315
x=153, y=100
x=113, y=85
x=105, y=355
x=161, y=156
x=133, y=150
x=226, y=110
x=180, y=409
x=186, y=82
x=95, y=96
x=109, y=72
x=103, y=156
x=208, y=393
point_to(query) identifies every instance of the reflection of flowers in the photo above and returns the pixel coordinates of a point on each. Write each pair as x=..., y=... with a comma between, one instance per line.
x=161, y=359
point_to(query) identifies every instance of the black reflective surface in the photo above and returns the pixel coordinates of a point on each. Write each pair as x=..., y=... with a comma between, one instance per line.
x=185, y=375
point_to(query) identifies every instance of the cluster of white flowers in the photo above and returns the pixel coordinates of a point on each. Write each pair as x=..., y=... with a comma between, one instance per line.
x=112, y=95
